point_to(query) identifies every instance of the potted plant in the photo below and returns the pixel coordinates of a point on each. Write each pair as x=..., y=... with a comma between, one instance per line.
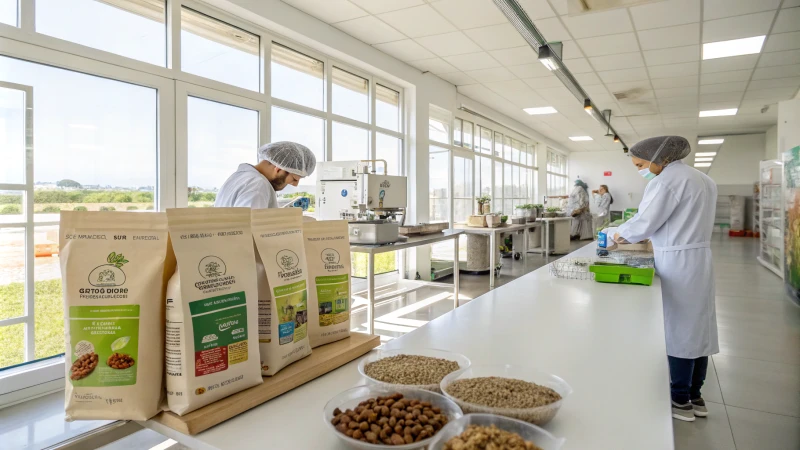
x=484, y=204
x=503, y=219
x=492, y=220
x=552, y=211
x=539, y=209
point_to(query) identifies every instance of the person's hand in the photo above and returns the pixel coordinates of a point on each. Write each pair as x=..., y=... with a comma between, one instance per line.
x=595, y=191
x=619, y=239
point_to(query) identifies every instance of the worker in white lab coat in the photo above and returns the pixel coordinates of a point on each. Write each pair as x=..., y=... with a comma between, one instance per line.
x=603, y=200
x=280, y=164
x=677, y=215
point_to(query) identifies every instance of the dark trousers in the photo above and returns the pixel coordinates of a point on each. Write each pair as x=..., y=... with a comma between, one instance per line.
x=687, y=376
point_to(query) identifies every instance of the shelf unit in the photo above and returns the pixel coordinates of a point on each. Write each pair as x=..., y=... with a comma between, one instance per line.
x=770, y=215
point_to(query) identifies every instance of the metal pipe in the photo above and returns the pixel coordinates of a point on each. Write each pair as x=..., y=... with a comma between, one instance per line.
x=385, y=165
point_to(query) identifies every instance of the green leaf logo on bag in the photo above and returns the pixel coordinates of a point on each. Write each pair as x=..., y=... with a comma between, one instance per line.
x=110, y=274
x=288, y=261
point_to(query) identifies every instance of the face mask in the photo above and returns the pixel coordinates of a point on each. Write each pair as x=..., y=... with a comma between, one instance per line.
x=646, y=174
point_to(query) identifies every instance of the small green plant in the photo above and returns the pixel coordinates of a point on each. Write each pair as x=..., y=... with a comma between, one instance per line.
x=538, y=205
x=10, y=210
x=505, y=249
x=483, y=199
x=526, y=206
x=80, y=208
x=51, y=209
x=503, y=219
x=107, y=208
x=553, y=209
x=132, y=208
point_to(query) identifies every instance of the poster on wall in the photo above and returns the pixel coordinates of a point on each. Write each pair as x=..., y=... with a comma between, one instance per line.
x=791, y=265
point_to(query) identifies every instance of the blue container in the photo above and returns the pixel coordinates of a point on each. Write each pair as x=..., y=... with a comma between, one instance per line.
x=602, y=239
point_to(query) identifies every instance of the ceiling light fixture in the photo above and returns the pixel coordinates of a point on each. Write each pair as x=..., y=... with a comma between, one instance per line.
x=719, y=112
x=702, y=164
x=625, y=149
x=581, y=138
x=542, y=110
x=735, y=47
x=587, y=105
x=705, y=154
x=616, y=139
x=703, y=159
x=710, y=141
x=546, y=58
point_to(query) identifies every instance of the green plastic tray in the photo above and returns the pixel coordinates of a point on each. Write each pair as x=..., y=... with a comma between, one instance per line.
x=622, y=274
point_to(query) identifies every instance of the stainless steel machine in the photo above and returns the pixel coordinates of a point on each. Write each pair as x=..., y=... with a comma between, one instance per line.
x=370, y=201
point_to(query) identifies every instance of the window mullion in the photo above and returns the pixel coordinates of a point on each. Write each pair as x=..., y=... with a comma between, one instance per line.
x=174, y=36
x=27, y=15
x=328, y=108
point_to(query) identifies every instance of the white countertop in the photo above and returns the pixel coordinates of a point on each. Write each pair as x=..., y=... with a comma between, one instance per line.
x=605, y=340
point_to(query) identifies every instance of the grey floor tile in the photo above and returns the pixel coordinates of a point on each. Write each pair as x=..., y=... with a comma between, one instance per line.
x=755, y=430
x=708, y=433
x=760, y=385
x=711, y=391
x=744, y=340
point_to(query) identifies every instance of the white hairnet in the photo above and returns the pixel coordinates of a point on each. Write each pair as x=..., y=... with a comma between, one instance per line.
x=662, y=148
x=289, y=156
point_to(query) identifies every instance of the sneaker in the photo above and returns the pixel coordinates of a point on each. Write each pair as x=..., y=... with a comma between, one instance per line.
x=699, y=407
x=682, y=412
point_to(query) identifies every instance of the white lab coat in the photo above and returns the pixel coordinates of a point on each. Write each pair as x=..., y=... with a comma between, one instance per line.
x=248, y=188
x=677, y=214
x=603, y=203
x=582, y=223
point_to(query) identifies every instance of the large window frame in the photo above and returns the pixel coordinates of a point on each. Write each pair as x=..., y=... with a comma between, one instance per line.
x=557, y=170
x=174, y=87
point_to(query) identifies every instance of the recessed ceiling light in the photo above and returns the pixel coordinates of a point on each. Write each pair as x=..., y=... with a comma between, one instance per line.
x=542, y=110
x=703, y=159
x=702, y=164
x=581, y=138
x=710, y=141
x=735, y=47
x=719, y=112
x=705, y=154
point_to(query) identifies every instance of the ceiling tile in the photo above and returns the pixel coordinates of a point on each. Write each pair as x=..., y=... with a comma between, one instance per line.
x=405, y=50
x=766, y=73
x=721, y=97
x=370, y=30
x=755, y=106
x=638, y=109
x=735, y=86
x=470, y=13
x=417, y=21
x=778, y=93
x=677, y=36
x=665, y=14
x=526, y=99
x=544, y=82
x=594, y=90
x=329, y=11
x=537, y=9
x=448, y=44
x=614, y=21
x=671, y=101
x=728, y=64
x=788, y=20
x=530, y=70
x=553, y=30
x=579, y=65
x=615, y=76
x=674, y=70
x=382, y=6
x=457, y=78
x=706, y=106
x=587, y=79
x=639, y=88
x=782, y=41
x=496, y=37
x=515, y=56
x=557, y=92
x=725, y=77
x=609, y=45
x=790, y=3
x=672, y=55
x=493, y=74
x=507, y=87
x=738, y=27
x=620, y=61
x=671, y=109
x=677, y=92
x=717, y=9
x=560, y=6
x=472, y=61
x=434, y=65
x=683, y=81
x=571, y=50
x=774, y=82
x=779, y=58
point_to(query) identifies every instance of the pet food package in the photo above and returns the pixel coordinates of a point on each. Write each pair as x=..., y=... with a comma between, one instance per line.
x=114, y=268
x=212, y=307
x=282, y=287
x=328, y=257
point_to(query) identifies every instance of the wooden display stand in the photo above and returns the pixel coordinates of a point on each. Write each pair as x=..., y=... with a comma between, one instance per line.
x=322, y=360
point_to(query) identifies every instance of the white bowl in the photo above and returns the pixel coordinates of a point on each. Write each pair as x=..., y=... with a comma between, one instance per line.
x=352, y=397
x=463, y=363
x=539, y=415
x=529, y=432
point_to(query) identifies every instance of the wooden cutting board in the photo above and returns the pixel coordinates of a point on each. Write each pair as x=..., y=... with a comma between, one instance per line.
x=322, y=360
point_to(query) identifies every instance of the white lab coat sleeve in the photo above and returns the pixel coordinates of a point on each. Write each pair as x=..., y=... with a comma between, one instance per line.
x=252, y=198
x=657, y=205
x=603, y=202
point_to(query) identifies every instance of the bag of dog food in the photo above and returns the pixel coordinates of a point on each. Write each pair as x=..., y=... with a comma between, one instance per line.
x=114, y=267
x=328, y=255
x=282, y=288
x=212, y=308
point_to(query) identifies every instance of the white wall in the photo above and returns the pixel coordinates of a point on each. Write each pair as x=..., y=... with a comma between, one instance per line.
x=625, y=183
x=737, y=161
x=788, y=125
x=771, y=145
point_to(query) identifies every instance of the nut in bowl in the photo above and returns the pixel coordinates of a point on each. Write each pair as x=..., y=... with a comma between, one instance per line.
x=502, y=431
x=422, y=368
x=513, y=391
x=377, y=417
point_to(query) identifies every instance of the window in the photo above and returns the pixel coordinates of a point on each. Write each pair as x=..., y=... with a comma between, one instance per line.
x=439, y=184
x=8, y=12
x=349, y=143
x=556, y=173
x=483, y=176
x=12, y=136
x=457, y=124
x=96, y=147
x=439, y=124
x=497, y=200
x=220, y=137
x=288, y=125
x=297, y=78
x=350, y=95
x=507, y=148
x=213, y=49
x=463, y=199
x=388, y=149
x=387, y=108
x=130, y=28
x=467, y=135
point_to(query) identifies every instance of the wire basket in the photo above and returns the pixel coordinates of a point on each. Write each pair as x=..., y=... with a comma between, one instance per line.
x=572, y=268
x=638, y=259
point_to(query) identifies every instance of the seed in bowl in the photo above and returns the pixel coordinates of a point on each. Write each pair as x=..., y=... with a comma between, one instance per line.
x=477, y=437
x=410, y=369
x=390, y=420
x=498, y=392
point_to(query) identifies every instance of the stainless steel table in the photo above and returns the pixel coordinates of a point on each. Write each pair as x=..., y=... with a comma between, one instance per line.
x=492, y=233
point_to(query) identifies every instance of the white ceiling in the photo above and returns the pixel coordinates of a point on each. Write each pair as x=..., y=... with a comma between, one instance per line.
x=651, y=53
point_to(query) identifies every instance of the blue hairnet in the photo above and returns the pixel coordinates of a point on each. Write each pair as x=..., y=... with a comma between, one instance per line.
x=289, y=156
x=581, y=184
x=674, y=148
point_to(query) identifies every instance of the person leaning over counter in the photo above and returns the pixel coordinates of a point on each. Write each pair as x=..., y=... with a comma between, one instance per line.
x=677, y=215
x=280, y=164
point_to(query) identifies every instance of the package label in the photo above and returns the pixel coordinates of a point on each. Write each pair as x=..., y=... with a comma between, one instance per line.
x=291, y=301
x=105, y=345
x=220, y=332
x=333, y=297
